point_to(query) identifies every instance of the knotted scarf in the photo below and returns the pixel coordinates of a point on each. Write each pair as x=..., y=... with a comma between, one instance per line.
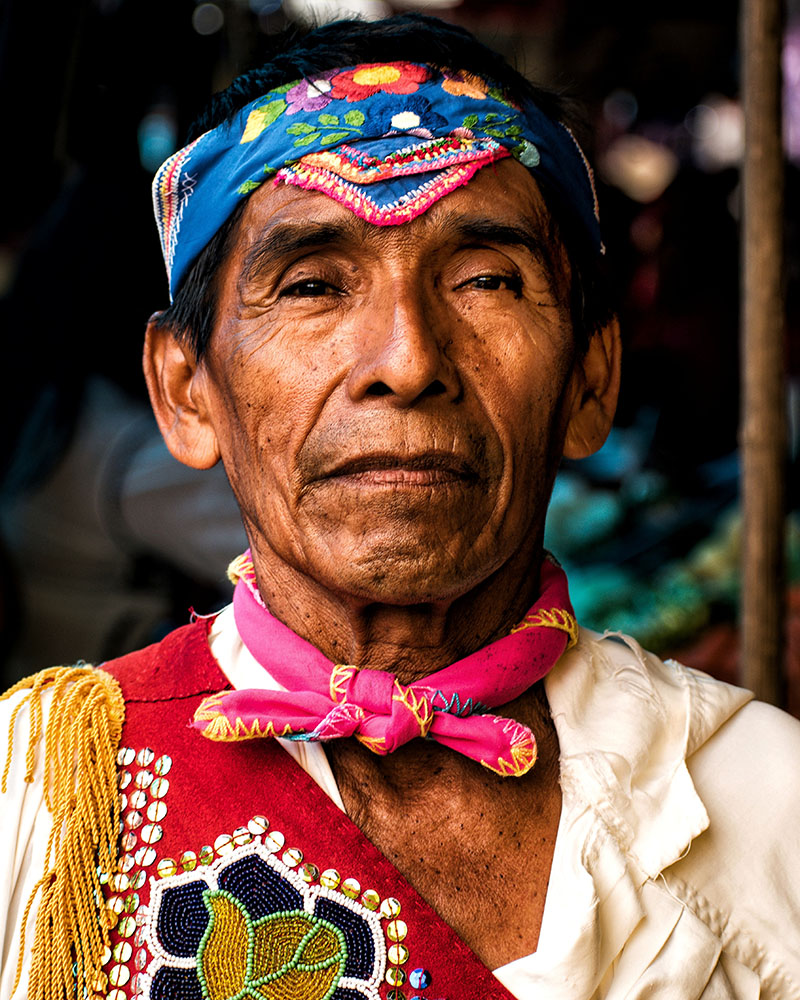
x=325, y=701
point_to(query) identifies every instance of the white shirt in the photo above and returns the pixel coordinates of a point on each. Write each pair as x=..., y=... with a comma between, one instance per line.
x=676, y=871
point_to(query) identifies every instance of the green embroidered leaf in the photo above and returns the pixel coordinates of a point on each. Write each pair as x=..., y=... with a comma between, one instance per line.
x=328, y=119
x=470, y=121
x=306, y=139
x=261, y=118
x=299, y=128
x=356, y=118
x=328, y=140
x=496, y=94
x=513, y=130
x=491, y=117
x=284, y=88
x=494, y=132
x=247, y=187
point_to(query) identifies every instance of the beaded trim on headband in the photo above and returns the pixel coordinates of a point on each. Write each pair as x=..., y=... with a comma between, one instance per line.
x=376, y=125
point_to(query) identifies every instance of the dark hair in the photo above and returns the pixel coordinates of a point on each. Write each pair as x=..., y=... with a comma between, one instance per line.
x=417, y=38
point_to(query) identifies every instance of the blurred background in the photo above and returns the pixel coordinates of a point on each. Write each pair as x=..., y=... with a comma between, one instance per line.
x=105, y=542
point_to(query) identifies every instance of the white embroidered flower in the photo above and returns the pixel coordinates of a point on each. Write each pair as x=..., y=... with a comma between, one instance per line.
x=405, y=119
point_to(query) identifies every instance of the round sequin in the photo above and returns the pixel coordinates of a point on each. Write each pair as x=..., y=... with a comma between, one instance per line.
x=132, y=905
x=274, y=842
x=152, y=833
x=390, y=908
x=125, y=756
x=110, y=918
x=144, y=758
x=122, y=951
x=126, y=927
x=138, y=880
x=126, y=863
x=115, y=903
x=242, y=836
x=144, y=779
x=145, y=856
x=129, y=841
x=124, y=780
x=156, y=811
x=139, y=938
x=330, y=878
x=420, y=979
x=309, y=873
x=397, y=995
x=101, y=982
x=258, y=825
x=123, y=802
x=117, y=995
x=371, y=899
x=292, y=857
x=140, y=959
x=206, y=854
x=133, y=820
x=138, y=799
x=166, y=867
x=159, y=788
x=140, y=982
x=119, y=882
x=398, y=954
x=105, y=958
x=396, y=930
x=163, y=765
x=223, y=844
x=351, y=887
x=188, y=861
x=395, y=976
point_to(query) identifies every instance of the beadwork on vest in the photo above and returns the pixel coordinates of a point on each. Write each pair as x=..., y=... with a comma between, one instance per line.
x=248, y=918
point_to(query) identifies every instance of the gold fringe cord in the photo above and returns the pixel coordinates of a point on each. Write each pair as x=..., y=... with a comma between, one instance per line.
x=80, y=790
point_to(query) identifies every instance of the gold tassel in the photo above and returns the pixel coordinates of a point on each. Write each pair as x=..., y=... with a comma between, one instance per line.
x=80, y=790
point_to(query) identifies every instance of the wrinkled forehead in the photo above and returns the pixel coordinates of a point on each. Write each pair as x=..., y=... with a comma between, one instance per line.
x=385, y=140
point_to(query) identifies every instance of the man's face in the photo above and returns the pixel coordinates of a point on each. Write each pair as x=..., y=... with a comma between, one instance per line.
x=390, y=403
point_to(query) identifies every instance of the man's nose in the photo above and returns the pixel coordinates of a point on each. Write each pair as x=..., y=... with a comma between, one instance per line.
x=404, y=355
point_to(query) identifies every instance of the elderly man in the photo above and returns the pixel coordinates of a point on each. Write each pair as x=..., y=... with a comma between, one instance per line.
x=388, y=323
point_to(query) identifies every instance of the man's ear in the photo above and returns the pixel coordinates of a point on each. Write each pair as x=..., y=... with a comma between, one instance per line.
x=596, y=394
x=174, y=381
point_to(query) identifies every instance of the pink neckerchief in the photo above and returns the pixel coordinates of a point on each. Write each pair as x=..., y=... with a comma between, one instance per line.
x=326, y=701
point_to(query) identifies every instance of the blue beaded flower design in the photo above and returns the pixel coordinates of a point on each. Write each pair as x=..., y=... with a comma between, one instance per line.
x=249, y=928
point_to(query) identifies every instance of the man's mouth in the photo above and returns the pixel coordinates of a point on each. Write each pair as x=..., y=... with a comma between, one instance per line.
x=430, y=468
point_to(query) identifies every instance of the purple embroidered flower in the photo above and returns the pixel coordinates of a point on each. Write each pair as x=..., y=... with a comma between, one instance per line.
x=311, y=94
x=414, y=117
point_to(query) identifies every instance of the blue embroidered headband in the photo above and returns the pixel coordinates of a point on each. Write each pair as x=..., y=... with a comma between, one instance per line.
x=386, y=140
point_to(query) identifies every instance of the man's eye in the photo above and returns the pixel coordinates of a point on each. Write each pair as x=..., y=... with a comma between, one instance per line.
x=309, y=289
x=496, y=283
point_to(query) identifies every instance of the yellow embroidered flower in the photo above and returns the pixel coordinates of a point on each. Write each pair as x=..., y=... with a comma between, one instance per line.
x=285, y=954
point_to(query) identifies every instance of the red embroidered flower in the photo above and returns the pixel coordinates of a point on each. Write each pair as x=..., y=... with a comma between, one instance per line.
x=372, y=78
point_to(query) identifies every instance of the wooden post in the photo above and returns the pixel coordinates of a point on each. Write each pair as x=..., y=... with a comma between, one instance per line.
x=763, y=422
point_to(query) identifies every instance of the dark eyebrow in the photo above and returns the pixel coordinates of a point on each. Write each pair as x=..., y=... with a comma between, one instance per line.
x=285, y=239
x=484, y=230
x=532, y=234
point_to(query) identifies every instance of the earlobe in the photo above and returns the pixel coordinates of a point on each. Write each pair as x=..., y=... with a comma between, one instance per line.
x=175, y=382
x=596, y=394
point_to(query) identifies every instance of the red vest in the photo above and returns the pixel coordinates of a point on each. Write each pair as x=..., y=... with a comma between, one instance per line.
x=239, y=878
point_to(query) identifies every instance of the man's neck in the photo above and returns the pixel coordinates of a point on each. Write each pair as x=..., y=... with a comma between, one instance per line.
x=413, y=640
